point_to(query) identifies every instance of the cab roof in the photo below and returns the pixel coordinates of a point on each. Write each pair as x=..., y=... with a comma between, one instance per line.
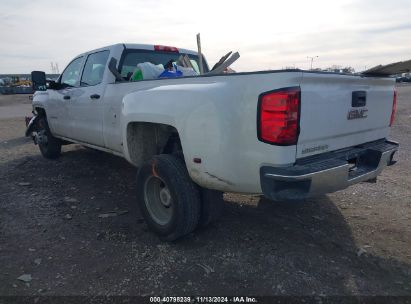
x=138, y=46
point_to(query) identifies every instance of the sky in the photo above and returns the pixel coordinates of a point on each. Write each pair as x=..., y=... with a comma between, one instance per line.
x=267, y=34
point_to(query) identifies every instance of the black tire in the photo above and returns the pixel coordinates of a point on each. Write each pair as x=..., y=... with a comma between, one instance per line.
x=51, y=149
x=168, y=199
x=212, y=206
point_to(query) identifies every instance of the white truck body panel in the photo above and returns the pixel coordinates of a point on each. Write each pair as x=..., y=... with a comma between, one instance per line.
x=325, y=103
x=200, y=108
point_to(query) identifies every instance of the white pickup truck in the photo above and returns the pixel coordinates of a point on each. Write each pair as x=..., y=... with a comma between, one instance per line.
x=287, y=134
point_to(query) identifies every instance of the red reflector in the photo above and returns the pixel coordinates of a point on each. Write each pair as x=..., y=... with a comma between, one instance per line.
x=165, y=48
x=394, y=107
x=279, y=116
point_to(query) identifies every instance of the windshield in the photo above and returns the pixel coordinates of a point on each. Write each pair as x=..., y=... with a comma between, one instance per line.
x=133, y=57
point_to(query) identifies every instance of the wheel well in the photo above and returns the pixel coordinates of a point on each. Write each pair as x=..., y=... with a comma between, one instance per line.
x=40, y=111
x=145, y=139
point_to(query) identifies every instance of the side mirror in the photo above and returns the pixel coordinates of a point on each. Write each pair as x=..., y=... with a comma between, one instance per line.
x=38, y=80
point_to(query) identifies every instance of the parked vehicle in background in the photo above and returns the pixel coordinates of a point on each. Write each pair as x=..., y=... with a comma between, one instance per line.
x=403, y=79
x=287, y=134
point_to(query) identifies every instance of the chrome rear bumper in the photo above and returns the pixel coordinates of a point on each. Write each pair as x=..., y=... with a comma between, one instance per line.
x=328, y=172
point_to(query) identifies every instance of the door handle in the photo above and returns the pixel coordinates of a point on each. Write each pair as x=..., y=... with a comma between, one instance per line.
x=95, y=96
x=66, y=97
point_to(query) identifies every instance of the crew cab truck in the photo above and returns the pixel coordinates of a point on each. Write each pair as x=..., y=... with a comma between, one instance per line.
x=287, y=134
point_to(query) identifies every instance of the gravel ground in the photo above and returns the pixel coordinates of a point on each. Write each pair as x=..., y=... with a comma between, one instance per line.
x=70, y=228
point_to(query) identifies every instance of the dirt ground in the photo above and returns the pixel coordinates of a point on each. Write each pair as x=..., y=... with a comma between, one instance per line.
x=70, y=225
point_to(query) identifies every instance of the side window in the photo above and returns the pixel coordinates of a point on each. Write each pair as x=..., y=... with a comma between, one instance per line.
x=71, y=74
x=94, y=68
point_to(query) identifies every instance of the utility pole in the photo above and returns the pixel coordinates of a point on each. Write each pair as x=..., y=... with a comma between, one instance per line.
x=311, y=59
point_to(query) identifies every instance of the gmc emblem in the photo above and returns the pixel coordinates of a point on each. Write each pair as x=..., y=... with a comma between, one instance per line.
x=357, y=113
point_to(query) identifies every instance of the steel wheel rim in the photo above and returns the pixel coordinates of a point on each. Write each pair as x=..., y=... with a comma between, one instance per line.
x=158, y=200
x=43, y=133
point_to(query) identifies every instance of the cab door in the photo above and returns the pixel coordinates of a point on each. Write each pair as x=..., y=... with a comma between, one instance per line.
x=60, y=99
x=86, y=110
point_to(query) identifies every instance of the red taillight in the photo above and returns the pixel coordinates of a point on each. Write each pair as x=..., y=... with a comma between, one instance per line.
x=165, y=48
x=278, y=116
x=394, y=107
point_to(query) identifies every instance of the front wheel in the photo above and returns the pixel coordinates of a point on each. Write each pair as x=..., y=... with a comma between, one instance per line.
x=50, y=147
x=168, y=199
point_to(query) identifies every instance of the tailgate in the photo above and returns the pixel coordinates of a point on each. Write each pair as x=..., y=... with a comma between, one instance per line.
x=339, y=111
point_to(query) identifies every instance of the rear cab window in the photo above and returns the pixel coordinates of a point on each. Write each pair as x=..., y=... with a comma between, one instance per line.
x=132, y=57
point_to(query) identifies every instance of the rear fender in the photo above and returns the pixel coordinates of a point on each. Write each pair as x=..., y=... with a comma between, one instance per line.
x=215, y=119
